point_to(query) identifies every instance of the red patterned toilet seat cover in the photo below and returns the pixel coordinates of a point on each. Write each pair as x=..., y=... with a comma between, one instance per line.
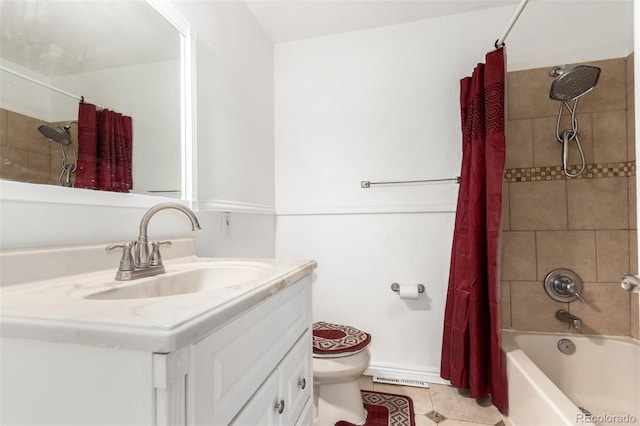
x=337, y=338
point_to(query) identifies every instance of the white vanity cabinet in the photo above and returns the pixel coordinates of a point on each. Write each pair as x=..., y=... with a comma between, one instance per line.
x=240, y=371
x=285, y=397
x=257, y=368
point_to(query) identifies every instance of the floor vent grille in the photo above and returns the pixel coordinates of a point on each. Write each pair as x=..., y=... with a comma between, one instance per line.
x=402, y=382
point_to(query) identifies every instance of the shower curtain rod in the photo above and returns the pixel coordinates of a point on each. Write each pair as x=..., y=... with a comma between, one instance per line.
x=45, y=85
x=499, y=44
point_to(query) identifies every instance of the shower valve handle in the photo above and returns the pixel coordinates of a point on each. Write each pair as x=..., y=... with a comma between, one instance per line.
x=564, y=285
x=568, y=287
x=571, y=289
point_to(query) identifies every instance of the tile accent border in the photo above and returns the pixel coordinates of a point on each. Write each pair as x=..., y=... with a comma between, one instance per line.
x=592, y=171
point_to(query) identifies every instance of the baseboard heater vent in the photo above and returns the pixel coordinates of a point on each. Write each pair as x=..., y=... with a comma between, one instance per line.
x=402, y=382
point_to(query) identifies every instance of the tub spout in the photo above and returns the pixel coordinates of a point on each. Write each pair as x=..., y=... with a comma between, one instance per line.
x=569, y=318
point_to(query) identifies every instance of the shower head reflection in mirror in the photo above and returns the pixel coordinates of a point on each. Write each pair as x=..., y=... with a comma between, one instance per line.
x=62, y=136
x=569, y=85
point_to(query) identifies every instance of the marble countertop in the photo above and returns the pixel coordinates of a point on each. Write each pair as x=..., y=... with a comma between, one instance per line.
x=65, y=309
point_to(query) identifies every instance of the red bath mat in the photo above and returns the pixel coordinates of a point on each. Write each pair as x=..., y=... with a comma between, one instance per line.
x=386, y=409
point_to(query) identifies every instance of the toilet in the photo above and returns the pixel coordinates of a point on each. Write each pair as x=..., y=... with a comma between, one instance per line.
x=340, y=356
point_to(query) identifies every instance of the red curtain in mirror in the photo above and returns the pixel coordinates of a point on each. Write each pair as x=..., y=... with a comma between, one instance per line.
x=472, y=356
x=104, y=149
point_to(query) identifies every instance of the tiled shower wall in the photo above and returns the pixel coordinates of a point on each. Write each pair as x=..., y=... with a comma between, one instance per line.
x=586, y=224
x=26, y=155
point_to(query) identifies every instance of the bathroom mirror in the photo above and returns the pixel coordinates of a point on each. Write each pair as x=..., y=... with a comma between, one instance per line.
x=131, y=56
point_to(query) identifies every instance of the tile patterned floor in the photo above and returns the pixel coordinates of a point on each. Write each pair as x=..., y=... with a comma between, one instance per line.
x=442, y=405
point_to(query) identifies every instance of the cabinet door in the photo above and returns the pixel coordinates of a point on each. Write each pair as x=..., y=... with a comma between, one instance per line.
x=306, y=417
x=263, y=407
x=285, y=397
x=296, y=378
x=68, y=384
x=230, y=364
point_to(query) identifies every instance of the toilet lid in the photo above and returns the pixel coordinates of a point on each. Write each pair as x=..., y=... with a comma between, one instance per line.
x=337, y=338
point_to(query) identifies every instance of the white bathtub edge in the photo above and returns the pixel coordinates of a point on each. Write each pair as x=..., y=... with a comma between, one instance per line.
x=531, y=383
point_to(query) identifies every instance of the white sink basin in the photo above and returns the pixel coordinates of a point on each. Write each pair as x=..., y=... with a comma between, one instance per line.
x=173, y=283
x=159, y=314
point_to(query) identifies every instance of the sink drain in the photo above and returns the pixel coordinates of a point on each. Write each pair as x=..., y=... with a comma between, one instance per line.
x=566, y=346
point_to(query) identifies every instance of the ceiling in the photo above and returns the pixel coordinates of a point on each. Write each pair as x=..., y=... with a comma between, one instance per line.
x=289, y=20
x=56, y=38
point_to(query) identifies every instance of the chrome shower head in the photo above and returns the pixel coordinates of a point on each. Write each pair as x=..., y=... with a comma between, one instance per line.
x=61, y=135
x=58, y=134
x=571, y=83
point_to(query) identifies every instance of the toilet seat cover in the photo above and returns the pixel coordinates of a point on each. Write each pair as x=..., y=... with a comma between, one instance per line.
x=337, y=338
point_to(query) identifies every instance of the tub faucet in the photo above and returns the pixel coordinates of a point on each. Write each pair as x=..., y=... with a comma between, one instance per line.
x=137, y=261
x=569, y=318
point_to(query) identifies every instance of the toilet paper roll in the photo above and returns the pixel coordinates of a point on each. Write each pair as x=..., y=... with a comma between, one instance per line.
x=408, y=292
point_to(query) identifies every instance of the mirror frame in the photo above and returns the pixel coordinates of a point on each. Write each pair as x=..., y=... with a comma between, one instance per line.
x=40, y=193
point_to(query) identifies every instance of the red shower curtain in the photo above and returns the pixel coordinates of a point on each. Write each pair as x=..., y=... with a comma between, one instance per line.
x=104, y=150
x=472, y=356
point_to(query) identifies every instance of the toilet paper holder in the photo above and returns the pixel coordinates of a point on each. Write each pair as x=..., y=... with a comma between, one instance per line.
x=396, y=287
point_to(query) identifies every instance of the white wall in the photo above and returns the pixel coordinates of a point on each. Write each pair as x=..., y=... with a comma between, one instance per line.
x=21, y=96
x=383, y=104
x=234, y=149
x=235, y=127
x=235, y=103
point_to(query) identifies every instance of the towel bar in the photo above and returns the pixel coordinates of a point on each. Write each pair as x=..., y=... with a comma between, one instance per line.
x=368, y=184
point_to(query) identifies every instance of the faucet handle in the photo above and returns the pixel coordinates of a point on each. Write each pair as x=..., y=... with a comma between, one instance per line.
x=579, y=296
x=572, y=289
x=564, y=285
x=156, y=258
x=126, y=261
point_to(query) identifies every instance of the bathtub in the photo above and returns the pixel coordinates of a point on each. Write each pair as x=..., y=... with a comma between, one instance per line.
x=548, y=387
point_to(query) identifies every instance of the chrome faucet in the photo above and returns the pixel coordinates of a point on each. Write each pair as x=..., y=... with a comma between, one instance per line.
x=142, y=257
x=137, y=261
x=569, y=318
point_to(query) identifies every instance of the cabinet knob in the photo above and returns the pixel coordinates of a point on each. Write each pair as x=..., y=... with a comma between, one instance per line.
x=302, y=383
x=280, y=406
